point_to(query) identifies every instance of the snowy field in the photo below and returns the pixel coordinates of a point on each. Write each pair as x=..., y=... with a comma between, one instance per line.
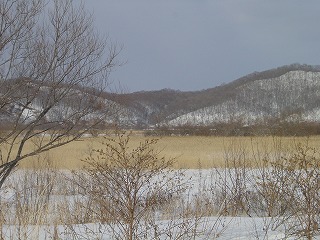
x=52, y=212
x=236, y=228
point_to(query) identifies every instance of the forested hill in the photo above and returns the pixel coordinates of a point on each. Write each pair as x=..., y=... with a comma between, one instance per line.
x=288, y=92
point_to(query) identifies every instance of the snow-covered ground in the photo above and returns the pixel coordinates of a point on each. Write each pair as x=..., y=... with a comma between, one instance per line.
x=234, y=228
x=199, y=182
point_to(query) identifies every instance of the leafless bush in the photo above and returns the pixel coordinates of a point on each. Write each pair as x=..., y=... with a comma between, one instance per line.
x=290, y=191
x=282, y=188
x=27, y=211
x=232, y=186
x=137, y=194
x=126, y=184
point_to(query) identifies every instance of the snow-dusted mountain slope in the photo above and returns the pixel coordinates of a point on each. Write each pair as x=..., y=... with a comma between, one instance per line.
x=294, y=95
x=290, y=92
x=287, y=93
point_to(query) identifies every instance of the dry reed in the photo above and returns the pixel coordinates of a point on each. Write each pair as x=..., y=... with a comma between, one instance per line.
x=189, y=151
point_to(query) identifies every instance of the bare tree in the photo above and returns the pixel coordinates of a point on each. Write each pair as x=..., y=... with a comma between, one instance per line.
x=53, y=69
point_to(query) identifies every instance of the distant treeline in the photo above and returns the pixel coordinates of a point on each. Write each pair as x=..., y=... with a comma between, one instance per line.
x=231, y=129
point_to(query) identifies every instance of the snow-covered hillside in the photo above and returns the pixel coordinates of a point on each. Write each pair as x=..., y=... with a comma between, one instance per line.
x=288, y=93
x=293, y=96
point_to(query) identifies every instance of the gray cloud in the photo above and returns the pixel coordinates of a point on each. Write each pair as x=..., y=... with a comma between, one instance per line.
x=198, y=44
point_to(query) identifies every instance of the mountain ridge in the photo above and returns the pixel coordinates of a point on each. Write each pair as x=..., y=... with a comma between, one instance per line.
x=288, y=93
x=163, y=106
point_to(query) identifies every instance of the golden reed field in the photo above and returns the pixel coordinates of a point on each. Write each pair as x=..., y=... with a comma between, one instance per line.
x=189, y=151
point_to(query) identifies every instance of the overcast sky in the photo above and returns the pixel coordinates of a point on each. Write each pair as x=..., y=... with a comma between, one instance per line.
x=199, y=44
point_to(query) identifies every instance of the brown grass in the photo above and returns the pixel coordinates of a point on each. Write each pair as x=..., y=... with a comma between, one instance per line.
x=189, y=151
